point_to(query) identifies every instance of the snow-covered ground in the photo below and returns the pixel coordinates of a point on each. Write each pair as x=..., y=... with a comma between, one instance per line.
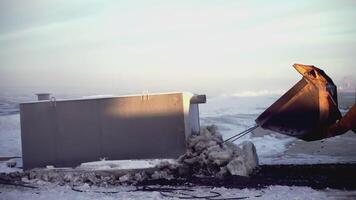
x=231, y=114
x=10, y=140
x=123, y=164
x=51, y=191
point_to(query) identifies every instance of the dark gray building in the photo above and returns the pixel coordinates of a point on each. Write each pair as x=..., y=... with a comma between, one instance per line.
x=65, y=133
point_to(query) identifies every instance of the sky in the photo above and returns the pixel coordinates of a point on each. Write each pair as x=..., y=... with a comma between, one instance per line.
x=211, y=47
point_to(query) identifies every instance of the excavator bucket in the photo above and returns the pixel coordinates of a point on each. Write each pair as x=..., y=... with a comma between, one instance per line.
x=307, y=109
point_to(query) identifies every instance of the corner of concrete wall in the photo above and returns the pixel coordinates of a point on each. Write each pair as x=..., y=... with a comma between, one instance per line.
x=191, y=115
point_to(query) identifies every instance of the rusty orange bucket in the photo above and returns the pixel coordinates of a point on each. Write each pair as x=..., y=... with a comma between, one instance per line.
x=306, y=109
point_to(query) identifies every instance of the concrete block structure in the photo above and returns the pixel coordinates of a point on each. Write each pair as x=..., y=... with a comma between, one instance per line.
x=66, y=133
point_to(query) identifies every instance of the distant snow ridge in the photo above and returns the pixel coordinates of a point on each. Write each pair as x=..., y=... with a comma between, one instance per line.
x=258, y=93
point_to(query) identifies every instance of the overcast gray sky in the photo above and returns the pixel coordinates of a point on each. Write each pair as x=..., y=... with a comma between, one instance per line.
x=215, y=47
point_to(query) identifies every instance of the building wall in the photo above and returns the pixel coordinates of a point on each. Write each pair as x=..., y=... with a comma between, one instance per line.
x=67, y=133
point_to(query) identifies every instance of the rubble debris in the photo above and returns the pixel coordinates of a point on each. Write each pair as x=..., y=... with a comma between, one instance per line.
x=208, y=155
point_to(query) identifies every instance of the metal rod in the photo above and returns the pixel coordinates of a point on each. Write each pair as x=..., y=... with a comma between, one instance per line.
x=241, y=134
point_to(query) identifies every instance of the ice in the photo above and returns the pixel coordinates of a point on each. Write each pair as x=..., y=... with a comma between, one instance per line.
x=10, y=137
x=234, y=114
x=122, y=164
x=250, y=156
x=209, y=155
x=302, y=158
x=270, y=145
x=162, y=174
x=10, y=141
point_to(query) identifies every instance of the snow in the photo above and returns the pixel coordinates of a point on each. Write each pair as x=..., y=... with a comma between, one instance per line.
x=5, y=169
x=10, y=141
x=123, y=164
x=258, y=93
x=53, y=191
x=269, y=145
x=100, y=96
x=10, y=136
x=208, y=154
x=233, y=115
x=303, y=158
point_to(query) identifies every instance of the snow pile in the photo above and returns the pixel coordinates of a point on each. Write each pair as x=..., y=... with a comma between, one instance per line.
x=70, y=177
x=208, y=155
x=122, y=164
